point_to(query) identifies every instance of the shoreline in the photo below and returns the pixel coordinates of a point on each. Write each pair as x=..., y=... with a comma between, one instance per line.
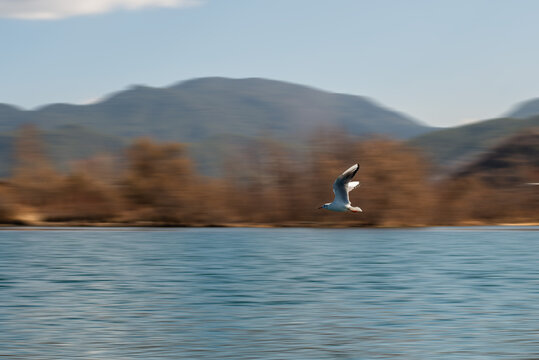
x=87, y=224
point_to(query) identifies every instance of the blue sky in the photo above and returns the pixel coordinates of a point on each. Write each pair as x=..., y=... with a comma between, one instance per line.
x=444, y=62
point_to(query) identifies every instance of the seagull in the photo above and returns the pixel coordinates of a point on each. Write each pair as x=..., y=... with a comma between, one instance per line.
x=341, y=187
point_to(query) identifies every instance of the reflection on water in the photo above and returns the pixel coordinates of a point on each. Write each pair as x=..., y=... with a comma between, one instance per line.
x=269, y=294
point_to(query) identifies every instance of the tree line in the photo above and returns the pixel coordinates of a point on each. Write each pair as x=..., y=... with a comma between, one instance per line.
x=157, y=184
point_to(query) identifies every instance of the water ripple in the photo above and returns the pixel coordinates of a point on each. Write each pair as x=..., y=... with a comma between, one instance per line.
x=269, y=294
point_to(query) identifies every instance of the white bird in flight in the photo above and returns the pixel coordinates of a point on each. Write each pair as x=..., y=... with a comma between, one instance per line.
x=341, y=187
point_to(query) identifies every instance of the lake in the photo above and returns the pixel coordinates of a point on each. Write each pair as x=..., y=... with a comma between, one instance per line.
x=433, y=293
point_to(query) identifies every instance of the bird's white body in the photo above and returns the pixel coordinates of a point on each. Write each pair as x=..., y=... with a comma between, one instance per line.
x=341, y=187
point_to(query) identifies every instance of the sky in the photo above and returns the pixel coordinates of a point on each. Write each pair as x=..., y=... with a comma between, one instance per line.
x=444, y=62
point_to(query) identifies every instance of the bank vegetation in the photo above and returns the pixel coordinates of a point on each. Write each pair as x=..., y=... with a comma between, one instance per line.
x=265, y=184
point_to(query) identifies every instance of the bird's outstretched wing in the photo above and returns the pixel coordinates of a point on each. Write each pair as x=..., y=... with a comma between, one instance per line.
x=340, y=186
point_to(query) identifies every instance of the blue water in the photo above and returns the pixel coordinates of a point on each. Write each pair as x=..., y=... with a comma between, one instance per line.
x=439, y=293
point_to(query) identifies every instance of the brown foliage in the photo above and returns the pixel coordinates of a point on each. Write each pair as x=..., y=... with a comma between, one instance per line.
x=79, y=197
x=267, y=182
x=396, y=188
x=160, y=183
x=7, y=207
x=35, y=180
x=473, y=200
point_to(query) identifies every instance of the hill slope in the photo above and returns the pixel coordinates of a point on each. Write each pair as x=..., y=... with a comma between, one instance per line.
x=63, y=145
x=514, y=161
x=452, y=146
x=525, y=109
x=201, y=108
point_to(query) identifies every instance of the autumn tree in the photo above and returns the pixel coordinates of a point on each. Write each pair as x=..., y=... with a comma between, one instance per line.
x=7, y=205
x=395, y=182
x=160, y=184
x=34, y=178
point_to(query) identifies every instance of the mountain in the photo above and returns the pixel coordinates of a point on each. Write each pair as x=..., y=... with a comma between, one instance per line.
x=217, y=116
x=6, y=154
x=454, y=146
x=64, y=145
x=69, y=143
x=197, y=109
x=12, y=117
x=513, y=162
x=212, y=115
x=525, y=109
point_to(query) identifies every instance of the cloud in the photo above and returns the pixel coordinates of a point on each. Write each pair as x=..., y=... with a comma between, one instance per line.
x=57, y=9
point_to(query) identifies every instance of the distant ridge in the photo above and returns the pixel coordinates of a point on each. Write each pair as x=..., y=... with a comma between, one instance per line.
x=201, y=108
x=525, y=109
x=513, y=162
x=211, y=114
x=454, y=146
x=215, y=114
